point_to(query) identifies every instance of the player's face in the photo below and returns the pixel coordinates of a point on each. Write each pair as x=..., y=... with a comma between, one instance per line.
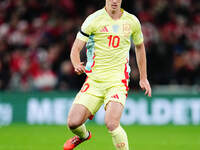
x=113, y=4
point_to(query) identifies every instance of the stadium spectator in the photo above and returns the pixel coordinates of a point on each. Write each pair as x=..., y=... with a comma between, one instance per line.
x=29, y=28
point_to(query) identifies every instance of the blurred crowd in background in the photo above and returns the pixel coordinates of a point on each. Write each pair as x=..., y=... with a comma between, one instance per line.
x=36, y=39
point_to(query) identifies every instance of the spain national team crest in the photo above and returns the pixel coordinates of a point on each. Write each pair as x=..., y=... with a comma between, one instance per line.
x=126, y=29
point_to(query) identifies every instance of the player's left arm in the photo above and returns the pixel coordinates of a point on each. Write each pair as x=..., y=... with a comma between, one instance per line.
x=138, y=40
x=141, y=61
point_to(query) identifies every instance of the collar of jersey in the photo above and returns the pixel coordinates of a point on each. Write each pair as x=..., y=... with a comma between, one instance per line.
x=110, y=17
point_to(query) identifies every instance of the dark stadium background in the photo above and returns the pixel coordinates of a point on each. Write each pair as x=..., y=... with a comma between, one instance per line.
x=36, y=37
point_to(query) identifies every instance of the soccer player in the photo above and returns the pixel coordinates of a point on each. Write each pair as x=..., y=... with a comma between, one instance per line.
x=107, y=34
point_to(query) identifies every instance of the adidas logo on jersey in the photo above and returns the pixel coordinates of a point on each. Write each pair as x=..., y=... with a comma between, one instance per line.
x=115, y=96
x=104, y=29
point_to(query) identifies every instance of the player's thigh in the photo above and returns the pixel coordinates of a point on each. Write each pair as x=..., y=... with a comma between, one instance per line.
x=78, y=114
x=91, y=102
x=91, y=96
x=113, y=114
x=114, y=105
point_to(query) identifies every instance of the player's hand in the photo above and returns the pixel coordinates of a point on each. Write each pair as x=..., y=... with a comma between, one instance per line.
x=79, y=68
x=144, y=84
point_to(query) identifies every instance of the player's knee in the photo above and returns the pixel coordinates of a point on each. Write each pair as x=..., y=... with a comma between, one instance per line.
x=73, y=124
x=111, y=125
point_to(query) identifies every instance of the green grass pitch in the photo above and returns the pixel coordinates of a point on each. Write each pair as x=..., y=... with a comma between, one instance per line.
x=41, y=137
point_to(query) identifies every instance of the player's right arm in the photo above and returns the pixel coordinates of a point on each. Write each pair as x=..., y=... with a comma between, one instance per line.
x=78, y=45
x=81, y=39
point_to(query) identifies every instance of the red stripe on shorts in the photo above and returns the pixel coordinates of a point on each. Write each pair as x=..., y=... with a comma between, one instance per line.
x=126, y=74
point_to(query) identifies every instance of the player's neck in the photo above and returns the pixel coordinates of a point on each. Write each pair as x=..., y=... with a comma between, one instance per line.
x=114, y=14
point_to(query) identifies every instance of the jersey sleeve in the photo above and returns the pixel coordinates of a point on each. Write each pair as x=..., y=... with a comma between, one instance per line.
x=137, y=35
x=86, y=29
